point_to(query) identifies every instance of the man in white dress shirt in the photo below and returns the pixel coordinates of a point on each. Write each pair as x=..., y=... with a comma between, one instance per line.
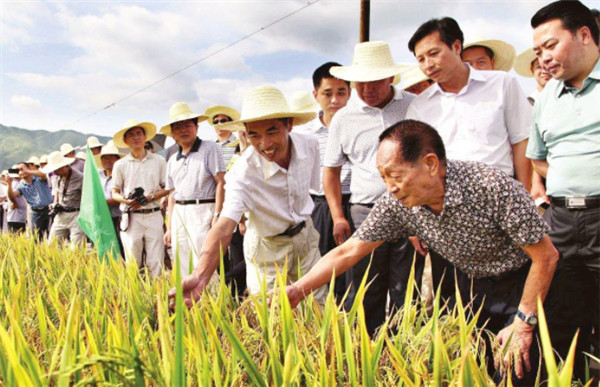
x=271, y=182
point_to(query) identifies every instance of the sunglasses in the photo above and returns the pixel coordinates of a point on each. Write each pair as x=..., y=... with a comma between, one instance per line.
x=221, y=121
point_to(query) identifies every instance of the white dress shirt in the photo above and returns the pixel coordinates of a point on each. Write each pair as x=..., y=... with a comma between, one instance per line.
x=275, y=198
x=481, y=121
x=148, y=173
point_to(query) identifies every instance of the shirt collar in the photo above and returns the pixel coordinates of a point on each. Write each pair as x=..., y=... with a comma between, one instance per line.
x=474, y=76
x=270, y=168
x=195, y=148
x=131, y=158
x=231, y=138
x=563, y=88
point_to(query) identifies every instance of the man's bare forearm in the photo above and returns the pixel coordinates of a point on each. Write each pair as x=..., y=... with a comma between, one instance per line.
x=217, y=240
x=544, y=257
x=541, y=167
x=523, y=168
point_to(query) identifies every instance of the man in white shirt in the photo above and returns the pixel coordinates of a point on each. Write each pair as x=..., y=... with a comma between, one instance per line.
x=481, y=115
x=270, y=181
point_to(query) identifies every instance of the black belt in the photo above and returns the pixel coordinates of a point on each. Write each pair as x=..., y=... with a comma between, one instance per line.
x=294, y=230
x=369, y=205
x=146, y=210
x=576, y=202
x=194, y=201
x=69, y=209
x=318, y=198
x=39, y=209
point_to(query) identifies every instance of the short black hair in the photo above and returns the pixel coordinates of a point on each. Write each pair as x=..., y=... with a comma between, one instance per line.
x=448, y=28
x=323, y=72
x=130, y=129
x=573, y=15
x=415, y=139
x=488, y=51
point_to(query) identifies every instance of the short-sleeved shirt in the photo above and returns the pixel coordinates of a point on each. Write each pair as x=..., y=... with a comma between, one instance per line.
x=69, y=188
x=192, y=176
x=18, y=214
x=148, y=173
x=481, y=121
x=228, y=148
x=566, y=133
x=486, y=217
x=321, y=132
x=275, y=198
x=107, y=186
x=354, y=138
x=37, y=194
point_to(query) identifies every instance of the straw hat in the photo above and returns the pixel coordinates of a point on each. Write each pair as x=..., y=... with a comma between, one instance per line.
x=504, y=53
x=413, y=76
x=80, y=155
x=217, y=110
x=119, y=137
x=372, y=61
x=523, y=63
x=93, y=142
x=108, y=149
x=44, y=159
x=180, y=111
x=66, y=149
x=33, y=160
x=303, y=101
x=57, y=160
x=267, y=103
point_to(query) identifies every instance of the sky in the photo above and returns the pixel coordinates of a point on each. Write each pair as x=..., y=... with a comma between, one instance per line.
x=86, y=65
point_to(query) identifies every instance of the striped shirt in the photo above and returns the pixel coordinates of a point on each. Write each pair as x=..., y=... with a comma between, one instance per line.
x=354, y=138
x=192, y=176
x=37, y=194
x=317, y=128
x=228, y=148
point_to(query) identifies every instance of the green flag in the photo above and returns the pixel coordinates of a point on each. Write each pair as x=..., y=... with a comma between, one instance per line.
x=94, y=216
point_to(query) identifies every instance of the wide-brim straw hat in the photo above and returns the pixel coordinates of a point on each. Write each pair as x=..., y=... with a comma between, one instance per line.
x=217, y=110
x=93, y=142
x=33, y=160
x=119, y=137
x=504, y=53
x=108, y=149
x=57, y=160
x=180, y=111
x=303, y=101
x=80, y=155
x=523, y=63
x=65, y=149
x=267, y=103
x=44, y=159
x=372, y=61
x=413, y=76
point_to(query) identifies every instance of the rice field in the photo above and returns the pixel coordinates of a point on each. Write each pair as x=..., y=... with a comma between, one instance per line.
x=66, y=318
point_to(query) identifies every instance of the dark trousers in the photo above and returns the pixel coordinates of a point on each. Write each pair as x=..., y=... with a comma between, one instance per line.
x=39, y=222
x=323, y=223
x=390, y=270
x=16, y=227
x=499, y=299
x=574, y=296
x=444, y=277
x=235, y=264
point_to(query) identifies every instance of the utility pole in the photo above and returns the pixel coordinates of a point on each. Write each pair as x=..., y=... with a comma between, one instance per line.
x=365, y=14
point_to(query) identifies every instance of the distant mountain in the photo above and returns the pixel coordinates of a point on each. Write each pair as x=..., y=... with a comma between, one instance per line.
x=18, y=144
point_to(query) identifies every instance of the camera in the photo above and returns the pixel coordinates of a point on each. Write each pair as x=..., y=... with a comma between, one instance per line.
x=138, y=195
x=58, y=208
x=13, y=171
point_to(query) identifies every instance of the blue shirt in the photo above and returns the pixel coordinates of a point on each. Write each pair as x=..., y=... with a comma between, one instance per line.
x=37, y=194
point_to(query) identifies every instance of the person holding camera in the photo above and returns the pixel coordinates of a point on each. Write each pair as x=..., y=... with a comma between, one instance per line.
x=138, y=184
x=67, y=199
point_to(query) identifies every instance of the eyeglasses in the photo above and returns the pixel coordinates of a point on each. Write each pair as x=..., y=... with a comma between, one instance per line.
x=221, y=121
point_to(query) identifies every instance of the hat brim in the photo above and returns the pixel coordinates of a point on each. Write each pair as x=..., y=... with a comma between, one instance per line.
x=166, y=129
x=298, y=118
x=369, y=74
x=523, y=61
x=504, y=53
x=119, y=137
x=49, y=168
x=214, y=111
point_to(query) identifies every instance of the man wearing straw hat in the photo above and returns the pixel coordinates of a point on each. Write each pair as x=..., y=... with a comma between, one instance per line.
x=488, y=54
x=353, y=138
x=94, y=144
x=225, y=138
x=142, y=221
x=69, y=182
x=528, y=65
x=68, y=151
x=270, y=181
x=109, y=155
x=196, y=184
x=415, y=81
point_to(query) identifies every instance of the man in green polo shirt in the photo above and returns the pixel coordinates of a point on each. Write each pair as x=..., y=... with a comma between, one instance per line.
x=565, y=148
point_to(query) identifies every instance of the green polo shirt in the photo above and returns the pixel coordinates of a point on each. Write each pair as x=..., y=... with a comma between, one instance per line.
x=566, y=133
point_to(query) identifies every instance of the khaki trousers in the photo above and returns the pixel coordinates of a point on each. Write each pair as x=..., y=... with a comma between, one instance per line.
x=267, y=255
x=189, y=226
x=65, y=225
x=145, y=230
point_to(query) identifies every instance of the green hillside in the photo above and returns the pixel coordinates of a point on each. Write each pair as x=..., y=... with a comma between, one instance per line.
x=18, y=144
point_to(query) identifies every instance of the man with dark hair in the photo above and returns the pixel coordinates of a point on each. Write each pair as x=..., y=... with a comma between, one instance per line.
x=332, y=94
x=564, y=149
x=481, y=115
x=475, y=216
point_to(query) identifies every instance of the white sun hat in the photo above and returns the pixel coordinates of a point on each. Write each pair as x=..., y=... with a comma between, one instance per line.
x=93, y=142
x=413, y=76
x=80, y=155
x=303, y=101
x=57, y=160
x=65, y=149
x=44, y=159
x=217, y=110
x=504, y=53
x=267, y=103
x=180, y=111
x=108, y=149
x=119, y=137
x=372, y=61
x=33, y=160
x=523, y=63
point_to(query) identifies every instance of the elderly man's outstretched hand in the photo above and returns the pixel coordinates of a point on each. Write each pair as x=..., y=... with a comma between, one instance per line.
x=294, y=295
x=192, y=287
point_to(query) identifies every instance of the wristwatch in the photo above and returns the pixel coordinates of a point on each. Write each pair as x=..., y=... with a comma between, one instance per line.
x=531, y=319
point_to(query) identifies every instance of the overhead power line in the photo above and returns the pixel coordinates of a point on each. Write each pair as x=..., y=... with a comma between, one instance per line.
x=218, y=51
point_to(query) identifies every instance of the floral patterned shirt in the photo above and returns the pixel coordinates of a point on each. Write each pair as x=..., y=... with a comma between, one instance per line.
x=486, y=217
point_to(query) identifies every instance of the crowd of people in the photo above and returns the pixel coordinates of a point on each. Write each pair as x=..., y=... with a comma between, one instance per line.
x=458, y=164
